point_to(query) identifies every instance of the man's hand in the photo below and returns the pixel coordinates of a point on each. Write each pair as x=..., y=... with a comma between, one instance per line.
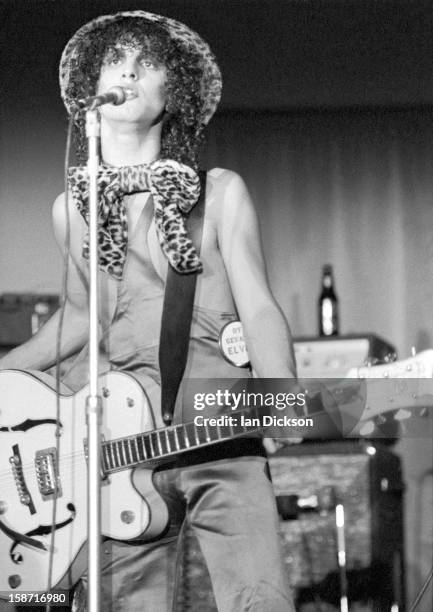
x=272, y=445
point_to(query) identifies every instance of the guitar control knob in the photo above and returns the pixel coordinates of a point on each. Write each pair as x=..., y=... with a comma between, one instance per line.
x=14, y=581
x=127, y=516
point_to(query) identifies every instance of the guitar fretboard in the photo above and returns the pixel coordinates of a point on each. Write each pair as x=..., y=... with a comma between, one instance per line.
x=129, y=452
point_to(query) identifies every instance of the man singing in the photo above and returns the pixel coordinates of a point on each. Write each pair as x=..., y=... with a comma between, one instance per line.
x=148, y=184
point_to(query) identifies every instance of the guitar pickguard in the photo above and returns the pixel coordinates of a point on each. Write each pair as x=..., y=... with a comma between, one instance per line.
x=28, y=424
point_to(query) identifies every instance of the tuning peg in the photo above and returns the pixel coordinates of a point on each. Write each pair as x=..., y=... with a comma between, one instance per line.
x=381, y=419
x=370, y=361
x=413, y=351
x=402, y=415
x=367, y=429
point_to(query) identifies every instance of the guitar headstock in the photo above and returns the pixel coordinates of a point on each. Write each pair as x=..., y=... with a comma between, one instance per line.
x=398, y=387
x=417, y=366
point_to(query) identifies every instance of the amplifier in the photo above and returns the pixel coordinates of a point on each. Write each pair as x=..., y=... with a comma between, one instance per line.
x=367, y=481
x=333, y=357
x=22, y=314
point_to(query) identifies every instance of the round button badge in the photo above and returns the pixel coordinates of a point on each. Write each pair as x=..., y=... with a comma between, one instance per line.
x=232, y=344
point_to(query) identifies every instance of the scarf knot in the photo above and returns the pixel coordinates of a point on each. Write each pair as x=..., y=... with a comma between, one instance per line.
x=175, y=189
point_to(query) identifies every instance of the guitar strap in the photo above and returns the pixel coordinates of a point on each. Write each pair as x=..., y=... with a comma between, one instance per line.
x=177, y=314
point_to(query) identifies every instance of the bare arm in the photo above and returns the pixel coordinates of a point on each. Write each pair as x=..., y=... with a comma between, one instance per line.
x=39, y=352
x=267, y=333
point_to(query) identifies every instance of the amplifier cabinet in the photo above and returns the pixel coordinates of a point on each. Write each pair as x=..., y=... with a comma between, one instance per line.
x=22, y=314
x=334, y=356
x=367, y=480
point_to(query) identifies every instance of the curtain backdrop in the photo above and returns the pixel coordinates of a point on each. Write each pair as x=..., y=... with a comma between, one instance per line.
x=353, y=189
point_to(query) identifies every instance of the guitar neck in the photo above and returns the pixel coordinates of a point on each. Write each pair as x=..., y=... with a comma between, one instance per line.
x=381, y=395
x=129, y=452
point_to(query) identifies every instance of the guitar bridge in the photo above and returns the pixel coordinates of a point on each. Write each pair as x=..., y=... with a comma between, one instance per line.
x=46, y=473
x=18, y=474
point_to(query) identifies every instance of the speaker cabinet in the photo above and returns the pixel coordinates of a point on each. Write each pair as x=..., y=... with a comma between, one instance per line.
x=367, y=480
x=22, y=314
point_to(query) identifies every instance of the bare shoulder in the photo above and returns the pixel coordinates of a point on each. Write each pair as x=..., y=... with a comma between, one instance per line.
x=59, y=209
x=64, y=216
x=223, y=182
x=227, y=192
x=228, y=199
x=59, y=206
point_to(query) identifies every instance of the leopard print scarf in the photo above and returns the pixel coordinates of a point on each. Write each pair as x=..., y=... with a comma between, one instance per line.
x=175, y=189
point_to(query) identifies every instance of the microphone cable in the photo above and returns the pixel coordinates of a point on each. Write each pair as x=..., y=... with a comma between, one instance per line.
x=63, y=298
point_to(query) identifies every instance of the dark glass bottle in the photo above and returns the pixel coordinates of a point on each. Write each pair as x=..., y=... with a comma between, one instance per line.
x=328, y=305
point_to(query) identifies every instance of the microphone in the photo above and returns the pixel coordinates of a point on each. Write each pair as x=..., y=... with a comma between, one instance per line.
x=115, y=96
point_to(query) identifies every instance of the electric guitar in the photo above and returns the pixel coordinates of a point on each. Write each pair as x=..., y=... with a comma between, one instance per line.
x=31, y=470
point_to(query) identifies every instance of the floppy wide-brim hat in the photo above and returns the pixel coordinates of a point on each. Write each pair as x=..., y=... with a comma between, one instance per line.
x=211, y=83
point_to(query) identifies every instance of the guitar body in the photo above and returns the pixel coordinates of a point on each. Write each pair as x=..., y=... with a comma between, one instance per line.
x=27, y=454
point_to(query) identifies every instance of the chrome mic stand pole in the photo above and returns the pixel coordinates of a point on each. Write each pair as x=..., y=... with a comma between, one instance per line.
x=93, y=401
x=341, y=556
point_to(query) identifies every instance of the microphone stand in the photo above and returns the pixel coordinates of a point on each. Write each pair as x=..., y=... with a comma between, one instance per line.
x=93, y=400
x=341, y=556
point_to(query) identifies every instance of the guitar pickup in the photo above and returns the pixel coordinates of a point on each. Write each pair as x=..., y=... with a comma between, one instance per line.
x=46, y=472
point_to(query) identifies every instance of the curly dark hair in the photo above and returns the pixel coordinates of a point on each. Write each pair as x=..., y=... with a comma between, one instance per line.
x=182, y=130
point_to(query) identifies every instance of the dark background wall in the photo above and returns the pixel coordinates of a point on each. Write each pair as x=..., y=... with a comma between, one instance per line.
x=274, y=54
